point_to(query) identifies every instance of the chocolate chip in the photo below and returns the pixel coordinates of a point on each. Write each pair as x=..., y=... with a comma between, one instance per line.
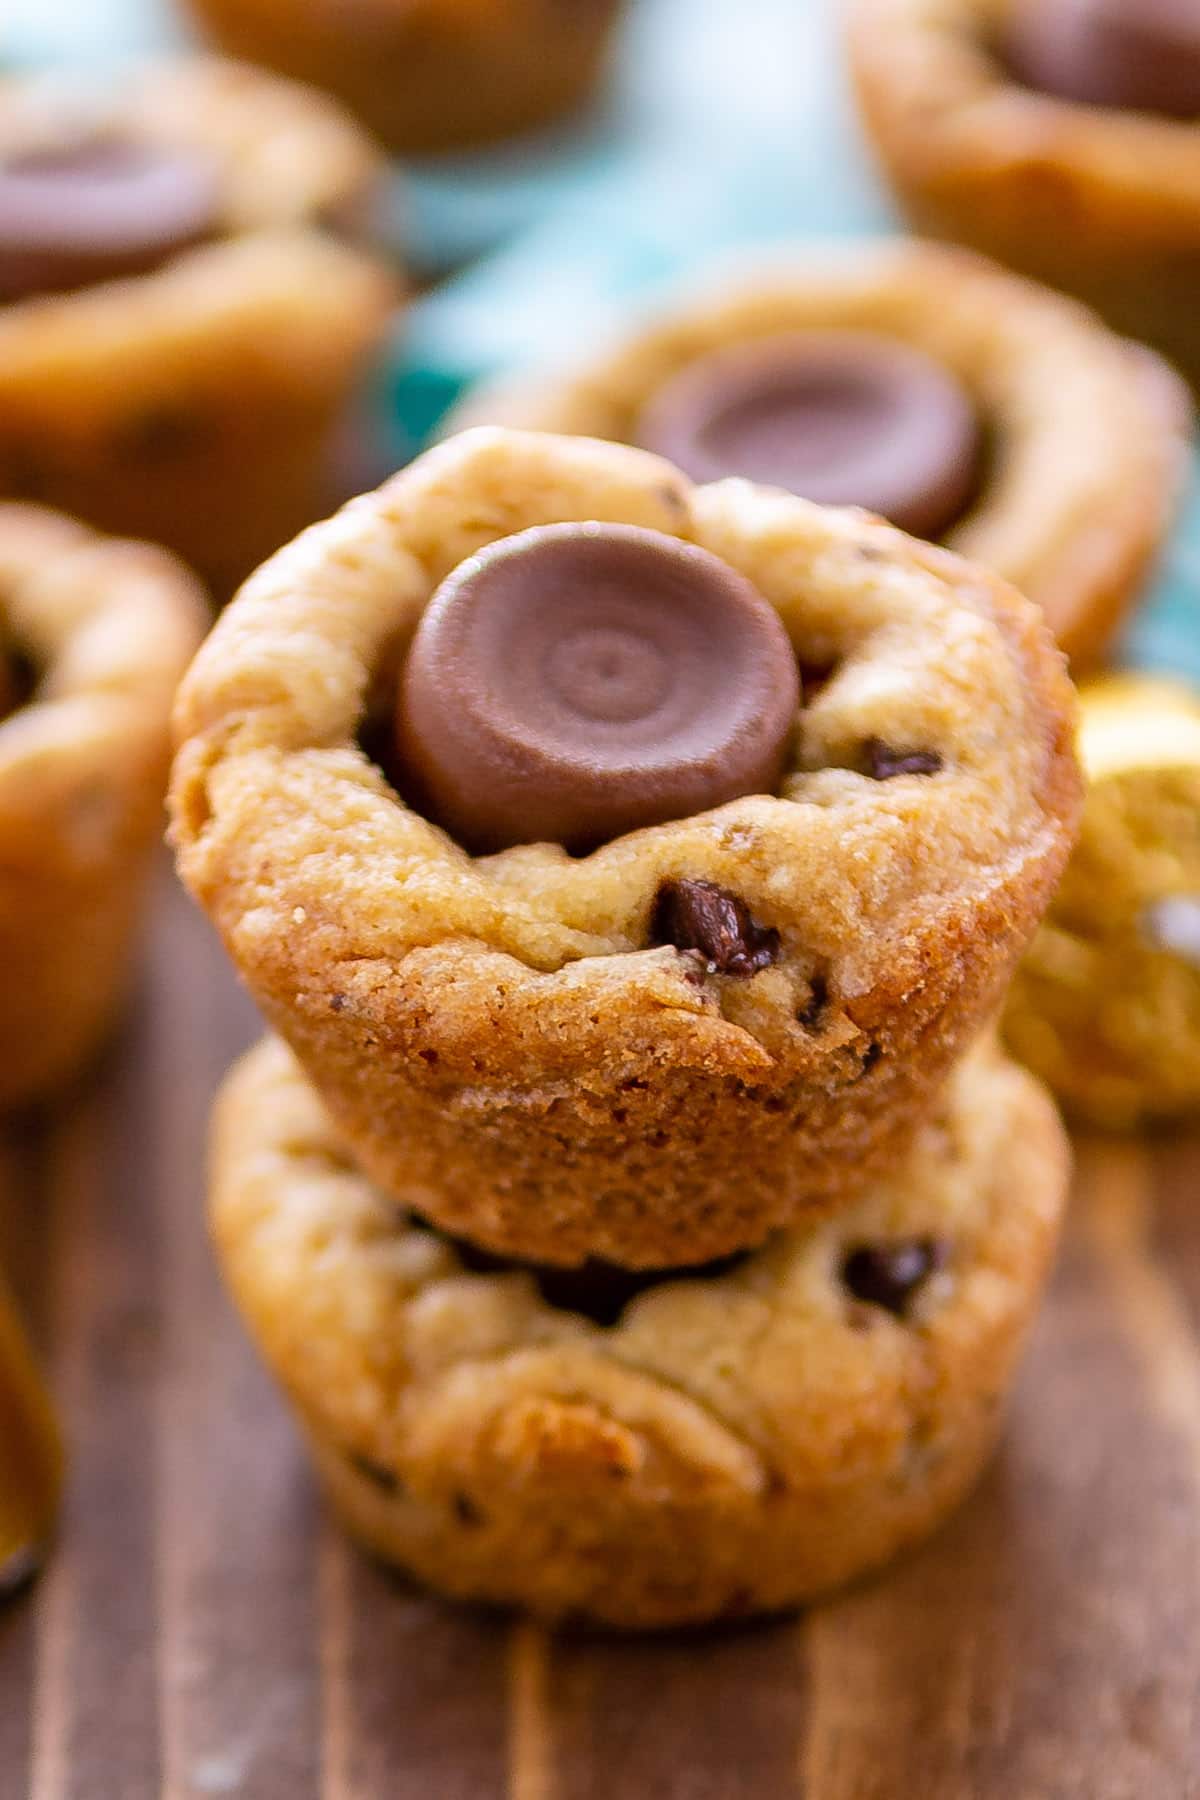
x=815, y=676
x=599, y=1291
x=375, y=1472
x=18, y=677
x=809, y=1015
x=19, y=1569
x=700, y=916
x=883, y=762
x=888, y=1275
x=466, y=1511
x=25, y=475
x=160, y=434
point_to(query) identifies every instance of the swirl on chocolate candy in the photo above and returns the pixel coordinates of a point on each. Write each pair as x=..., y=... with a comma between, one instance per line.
x=93, y=209
x=1139, y=54
x=575, y=682
x=846, y=418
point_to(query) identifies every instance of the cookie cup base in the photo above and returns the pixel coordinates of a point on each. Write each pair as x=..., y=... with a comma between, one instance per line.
x=733, y=1443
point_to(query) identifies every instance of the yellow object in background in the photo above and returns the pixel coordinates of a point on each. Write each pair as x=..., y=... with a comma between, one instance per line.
x=1106, y=1006
x=30, y=1456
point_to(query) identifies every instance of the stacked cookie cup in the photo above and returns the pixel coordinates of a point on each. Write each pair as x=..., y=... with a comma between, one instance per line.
x=632, y=1202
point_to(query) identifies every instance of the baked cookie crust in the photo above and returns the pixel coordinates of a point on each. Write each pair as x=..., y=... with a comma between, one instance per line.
x=1105, y=1006
x=429, y=74
x=110, y=627
x=497, y=1037
x=1088, y=434
x=731, y=1444
x=1101, y=202
x=196, y=405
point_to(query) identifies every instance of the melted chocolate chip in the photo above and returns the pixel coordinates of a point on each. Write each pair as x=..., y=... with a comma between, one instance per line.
x=884, y=762
x=19, y=1569
x=163, y=434
x=18, y=678
x=889, y=1275
x=578, y=681
x=702, y=917
x=872, y=1055
x=599, y=1291
x=1139, y=54
x=374, y=1472
x=809, y=1015
x=815, y=676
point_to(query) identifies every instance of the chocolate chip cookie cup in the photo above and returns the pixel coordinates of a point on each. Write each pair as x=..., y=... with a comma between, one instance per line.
x=1106, y=1004
x=429, y=74
x=727, y=992
x=645, y=1454
x=998, y=125
x=96, y=633
x=186, y=304
x=923, y=383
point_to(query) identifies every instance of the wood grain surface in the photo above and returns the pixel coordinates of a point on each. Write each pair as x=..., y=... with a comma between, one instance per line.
x=203, y=1632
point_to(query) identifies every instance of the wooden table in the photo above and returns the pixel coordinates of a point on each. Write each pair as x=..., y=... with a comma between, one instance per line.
x=203, y=1631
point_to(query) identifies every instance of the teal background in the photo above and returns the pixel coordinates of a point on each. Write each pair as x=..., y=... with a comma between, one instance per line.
x=727, y=126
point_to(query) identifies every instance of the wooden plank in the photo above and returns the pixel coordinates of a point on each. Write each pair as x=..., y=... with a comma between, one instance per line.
x=238, y=1655
x=719, y=1716
x=1045, y=1644
x=415, y=1690
x=96, y=1727
x=24, y=1245
x=1174, y=1219
x=204, y=1631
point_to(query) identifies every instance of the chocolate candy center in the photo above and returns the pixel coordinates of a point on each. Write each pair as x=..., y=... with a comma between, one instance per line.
x=1140, y=54
x=96, y=209
x=575, y=682
x=847, y=418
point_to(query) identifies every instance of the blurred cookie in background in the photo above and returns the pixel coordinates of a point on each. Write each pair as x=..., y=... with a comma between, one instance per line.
x=429, y=74
x=1106, y=1006
x=188, y=302
x=96, y=633
x=1062, y=136
x=966, y=404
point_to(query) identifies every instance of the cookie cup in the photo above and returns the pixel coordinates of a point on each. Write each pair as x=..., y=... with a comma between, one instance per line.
x=500, y=1039
x=1099, y=201
x=1087, y=435
x=108, y=626
x=728, y=1444
x=198, y=405
x=1105, y=1006
x=429, y=74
